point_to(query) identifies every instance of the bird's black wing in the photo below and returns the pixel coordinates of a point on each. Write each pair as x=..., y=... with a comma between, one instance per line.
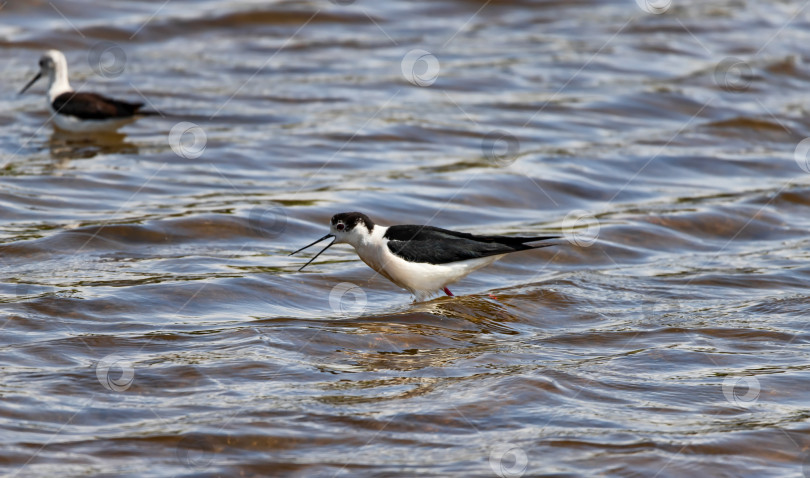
x=440, y=246
x=92, y=106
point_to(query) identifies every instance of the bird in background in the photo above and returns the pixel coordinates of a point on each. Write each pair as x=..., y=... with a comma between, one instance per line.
x=422, y=259
x=77, y=111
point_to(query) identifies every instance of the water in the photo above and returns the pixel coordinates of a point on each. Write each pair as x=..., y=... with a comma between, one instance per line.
x=153, y=323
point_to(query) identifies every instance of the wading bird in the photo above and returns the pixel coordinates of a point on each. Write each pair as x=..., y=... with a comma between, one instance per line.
x=422, y=259
x=80, y=112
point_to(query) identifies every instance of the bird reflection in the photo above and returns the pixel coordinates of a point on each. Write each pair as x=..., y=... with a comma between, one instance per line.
x=64, y=145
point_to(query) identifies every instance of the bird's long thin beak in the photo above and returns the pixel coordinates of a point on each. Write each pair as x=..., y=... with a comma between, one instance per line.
x=318, y=254
x=33, y=80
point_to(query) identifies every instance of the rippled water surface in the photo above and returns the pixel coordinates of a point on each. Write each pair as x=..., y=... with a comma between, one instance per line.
x=153, y=323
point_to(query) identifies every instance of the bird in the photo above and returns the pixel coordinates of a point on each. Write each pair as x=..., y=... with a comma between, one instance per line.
x=424, y=260
x=77, y=111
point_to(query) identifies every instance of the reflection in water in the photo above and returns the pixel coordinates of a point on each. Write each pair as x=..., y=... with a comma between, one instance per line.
x=65, y=145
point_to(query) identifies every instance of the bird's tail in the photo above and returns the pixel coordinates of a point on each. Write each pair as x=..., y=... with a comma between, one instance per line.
x=151, y=113
x=518, y=241
x=538, y=239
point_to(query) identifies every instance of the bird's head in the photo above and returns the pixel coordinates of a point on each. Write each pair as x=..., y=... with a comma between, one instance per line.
x=351, y=228
x=48, y=64
x=346, y=228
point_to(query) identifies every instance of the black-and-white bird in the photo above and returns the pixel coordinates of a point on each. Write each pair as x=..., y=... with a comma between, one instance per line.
x=76, y=111
x=422, y=259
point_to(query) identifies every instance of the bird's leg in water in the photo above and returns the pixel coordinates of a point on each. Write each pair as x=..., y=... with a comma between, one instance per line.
x=447, y=291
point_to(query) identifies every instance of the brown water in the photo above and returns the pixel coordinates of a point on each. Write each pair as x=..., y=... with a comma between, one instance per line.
x=153, y=324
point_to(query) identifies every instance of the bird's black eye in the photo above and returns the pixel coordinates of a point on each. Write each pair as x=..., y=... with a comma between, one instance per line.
x=41, y=63
x=340, y=226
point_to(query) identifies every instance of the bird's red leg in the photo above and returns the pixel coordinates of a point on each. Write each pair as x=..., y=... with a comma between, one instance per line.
x=447, y=291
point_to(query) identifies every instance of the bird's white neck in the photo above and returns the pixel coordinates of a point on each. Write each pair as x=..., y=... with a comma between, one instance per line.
x=369, y=245
x=372, y=249
x=58, y=79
